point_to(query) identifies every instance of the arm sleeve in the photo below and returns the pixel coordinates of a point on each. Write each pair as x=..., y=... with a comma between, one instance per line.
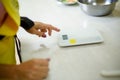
x=26, y=23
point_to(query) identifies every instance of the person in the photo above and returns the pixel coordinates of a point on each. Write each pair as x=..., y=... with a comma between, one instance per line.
x=10, y=20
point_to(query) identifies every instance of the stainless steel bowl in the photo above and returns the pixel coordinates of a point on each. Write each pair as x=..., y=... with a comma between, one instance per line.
x=97, y=7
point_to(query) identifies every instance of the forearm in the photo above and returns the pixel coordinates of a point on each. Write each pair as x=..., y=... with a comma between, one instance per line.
x=8, y=72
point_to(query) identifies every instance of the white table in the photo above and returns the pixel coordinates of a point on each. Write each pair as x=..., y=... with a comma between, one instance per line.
x=72, y=63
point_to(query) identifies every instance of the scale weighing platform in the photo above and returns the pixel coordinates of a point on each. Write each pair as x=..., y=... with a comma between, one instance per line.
x=79, y=37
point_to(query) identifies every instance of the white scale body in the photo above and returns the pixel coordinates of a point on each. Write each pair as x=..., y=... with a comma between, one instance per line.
x=79, y=37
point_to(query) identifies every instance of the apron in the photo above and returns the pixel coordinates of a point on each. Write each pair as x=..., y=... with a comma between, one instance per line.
x=8, y=29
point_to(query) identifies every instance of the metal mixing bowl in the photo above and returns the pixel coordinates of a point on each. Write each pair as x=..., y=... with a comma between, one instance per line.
x=97, y=7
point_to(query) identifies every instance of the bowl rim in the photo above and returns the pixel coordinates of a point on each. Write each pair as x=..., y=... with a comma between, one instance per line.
x=98, y=4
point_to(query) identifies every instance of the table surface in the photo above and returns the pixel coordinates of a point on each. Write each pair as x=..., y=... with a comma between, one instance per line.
x=78, y=62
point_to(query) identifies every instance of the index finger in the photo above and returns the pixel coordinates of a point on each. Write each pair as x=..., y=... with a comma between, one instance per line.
x=50, y=28
x=55, y=29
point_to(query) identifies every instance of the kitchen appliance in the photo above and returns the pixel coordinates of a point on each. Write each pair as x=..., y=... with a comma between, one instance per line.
x=79, y=37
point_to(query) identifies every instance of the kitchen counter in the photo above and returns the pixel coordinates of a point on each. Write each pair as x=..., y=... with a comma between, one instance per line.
x=78, y=62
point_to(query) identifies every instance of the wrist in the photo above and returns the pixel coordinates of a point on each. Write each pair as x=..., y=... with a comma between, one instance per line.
x=8, y=72
x=26, y=23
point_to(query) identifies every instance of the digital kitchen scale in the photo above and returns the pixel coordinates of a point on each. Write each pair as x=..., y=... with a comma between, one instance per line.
x=79, y=37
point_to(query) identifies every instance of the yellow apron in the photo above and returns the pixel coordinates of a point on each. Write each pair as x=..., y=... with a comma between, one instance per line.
x=9, y=29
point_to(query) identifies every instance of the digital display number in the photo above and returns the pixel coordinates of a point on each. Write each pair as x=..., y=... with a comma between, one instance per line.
x=65, y=37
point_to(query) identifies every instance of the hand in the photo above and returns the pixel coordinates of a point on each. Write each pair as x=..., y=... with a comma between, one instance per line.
x=36, y=69
x=40, y=29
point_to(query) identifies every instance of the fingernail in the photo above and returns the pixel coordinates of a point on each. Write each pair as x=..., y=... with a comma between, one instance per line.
x=44, y=36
